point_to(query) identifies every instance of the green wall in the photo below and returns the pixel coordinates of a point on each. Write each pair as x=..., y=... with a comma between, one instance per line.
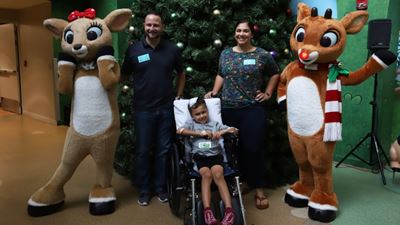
x=357, y=110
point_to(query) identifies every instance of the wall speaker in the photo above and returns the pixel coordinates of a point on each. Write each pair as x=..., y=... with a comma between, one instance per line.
x=379, y=32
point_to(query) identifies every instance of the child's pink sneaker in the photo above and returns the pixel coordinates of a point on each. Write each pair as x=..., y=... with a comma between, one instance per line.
x=209, y=218
x=229, y=217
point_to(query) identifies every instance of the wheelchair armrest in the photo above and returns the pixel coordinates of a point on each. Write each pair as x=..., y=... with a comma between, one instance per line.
x=229, y=135
x=230, y=138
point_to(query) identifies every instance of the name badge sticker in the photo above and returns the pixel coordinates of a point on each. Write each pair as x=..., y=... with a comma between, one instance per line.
x=143, y=58
x=205, y=144
x=249, y=62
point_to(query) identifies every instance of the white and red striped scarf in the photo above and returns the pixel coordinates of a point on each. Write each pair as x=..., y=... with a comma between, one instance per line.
x=333, y=111
x=333, y=100
x=333, y=103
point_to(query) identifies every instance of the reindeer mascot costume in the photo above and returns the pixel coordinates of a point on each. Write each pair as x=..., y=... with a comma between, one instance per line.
x=310, y=88
x=89, y=72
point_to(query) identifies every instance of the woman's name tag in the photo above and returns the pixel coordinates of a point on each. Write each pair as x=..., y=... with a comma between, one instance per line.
x=205, y=144
x=249, y=62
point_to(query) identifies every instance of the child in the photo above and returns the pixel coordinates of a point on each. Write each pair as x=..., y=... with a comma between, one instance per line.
x=207, y=154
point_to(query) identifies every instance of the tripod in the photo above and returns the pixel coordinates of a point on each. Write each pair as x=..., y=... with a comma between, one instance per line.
x=375, y=145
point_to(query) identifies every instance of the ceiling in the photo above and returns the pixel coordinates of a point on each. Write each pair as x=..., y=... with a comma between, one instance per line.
x=20, y=4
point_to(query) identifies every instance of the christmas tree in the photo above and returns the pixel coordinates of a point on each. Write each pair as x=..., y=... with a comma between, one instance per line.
x=202, y=29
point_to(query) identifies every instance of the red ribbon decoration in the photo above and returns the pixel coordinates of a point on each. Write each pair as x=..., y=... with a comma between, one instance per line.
x=88, y=13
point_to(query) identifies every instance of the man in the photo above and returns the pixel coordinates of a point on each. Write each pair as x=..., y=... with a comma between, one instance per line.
x=152, y=60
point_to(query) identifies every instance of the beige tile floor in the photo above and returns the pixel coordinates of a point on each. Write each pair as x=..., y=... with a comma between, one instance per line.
x=30, y=152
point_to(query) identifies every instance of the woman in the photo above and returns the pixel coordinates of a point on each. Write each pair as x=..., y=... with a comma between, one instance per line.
x=242, y=75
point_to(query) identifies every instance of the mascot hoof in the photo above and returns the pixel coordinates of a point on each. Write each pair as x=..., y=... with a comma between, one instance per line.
x=321, y=215
x=36, y=211
x=102, y=208
x=296, y=202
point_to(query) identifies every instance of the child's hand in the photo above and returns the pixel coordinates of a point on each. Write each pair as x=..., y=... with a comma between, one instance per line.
x=206, y=134
x=217, y=135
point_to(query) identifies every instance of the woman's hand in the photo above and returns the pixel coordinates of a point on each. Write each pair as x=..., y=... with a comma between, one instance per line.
x=261, y=96
x=209, y=95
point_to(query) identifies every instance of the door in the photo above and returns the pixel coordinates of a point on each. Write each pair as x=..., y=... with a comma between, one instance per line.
x=10, y=88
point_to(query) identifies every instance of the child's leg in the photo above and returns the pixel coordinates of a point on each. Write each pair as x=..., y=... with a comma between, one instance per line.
x=206, y=179
x=218, y=177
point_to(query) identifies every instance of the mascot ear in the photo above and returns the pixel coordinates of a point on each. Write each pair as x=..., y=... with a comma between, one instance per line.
x=302, y=11
x=354, y=21
x=55, y=26
x=118, y=19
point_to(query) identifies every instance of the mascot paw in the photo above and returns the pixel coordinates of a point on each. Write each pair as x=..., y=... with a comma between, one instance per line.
x=36, y=210
x=322, y=215
x=102, y=208
x=386, y=56
x=297, y=202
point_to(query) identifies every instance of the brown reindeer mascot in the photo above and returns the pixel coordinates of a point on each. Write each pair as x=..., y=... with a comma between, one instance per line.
x=88, y=70
x=310, y=88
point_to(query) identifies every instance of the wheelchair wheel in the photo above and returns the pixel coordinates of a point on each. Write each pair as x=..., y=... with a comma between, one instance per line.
x=199, y=212
x=188, y=221
x=236, y=208
x=188, y=216
x=174, y=187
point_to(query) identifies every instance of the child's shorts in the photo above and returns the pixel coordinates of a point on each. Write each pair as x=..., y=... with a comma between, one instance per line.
x=207, y=161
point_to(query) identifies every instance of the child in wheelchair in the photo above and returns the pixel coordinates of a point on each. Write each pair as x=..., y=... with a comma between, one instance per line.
x=207, y=154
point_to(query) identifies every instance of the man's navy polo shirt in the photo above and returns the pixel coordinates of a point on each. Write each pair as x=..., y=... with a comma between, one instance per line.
x=152, y=71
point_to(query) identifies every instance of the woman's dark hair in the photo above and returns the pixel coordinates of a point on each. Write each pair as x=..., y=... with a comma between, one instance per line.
x=250, y=24
x=200, y=101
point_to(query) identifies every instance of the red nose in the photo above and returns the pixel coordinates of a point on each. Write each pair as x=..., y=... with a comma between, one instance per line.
x=303, y=55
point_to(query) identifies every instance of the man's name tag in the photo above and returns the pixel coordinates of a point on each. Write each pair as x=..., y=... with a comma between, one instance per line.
x=205, y=144
x=249, y=62
x=143, y=58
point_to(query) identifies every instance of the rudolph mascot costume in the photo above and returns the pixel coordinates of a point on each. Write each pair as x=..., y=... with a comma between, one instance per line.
x=89, y=72
x=310, y=89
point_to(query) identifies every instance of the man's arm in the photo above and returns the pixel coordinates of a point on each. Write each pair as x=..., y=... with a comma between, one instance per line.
x=180, y=84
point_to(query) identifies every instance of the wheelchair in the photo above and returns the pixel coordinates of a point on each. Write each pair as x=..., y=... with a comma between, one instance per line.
x=184, y=181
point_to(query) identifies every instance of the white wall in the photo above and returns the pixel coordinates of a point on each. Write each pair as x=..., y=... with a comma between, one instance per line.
x=36, y=64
